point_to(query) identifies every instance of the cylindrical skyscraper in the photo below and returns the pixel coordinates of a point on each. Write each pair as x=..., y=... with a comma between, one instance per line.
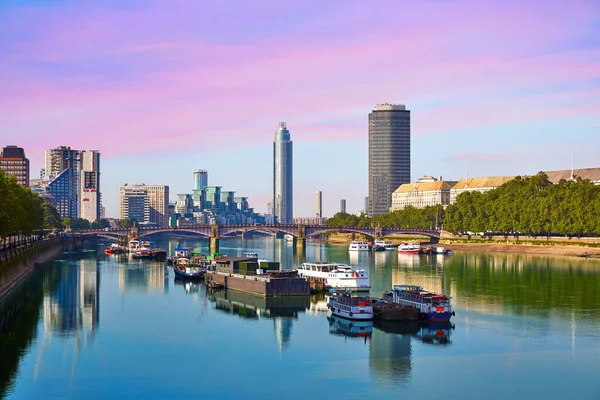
x=282, y=175
x=389, y=154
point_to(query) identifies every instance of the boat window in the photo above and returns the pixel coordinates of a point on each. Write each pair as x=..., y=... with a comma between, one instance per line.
x=325, y=269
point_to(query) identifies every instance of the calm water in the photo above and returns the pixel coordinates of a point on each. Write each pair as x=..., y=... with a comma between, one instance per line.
x=92, y=327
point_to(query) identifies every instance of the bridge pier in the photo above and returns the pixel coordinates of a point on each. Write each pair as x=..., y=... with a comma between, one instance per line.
x=300, y=243
x=213, y=246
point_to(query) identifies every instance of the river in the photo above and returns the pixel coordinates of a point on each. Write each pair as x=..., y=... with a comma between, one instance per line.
x=94, y=326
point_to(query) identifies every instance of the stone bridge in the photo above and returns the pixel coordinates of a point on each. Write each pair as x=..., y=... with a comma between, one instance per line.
x=298, y=231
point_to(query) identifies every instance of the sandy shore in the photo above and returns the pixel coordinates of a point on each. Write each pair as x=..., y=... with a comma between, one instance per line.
x=555, y=250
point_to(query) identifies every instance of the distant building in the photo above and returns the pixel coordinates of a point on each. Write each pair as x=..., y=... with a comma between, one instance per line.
x=89, y=191
x=389, y=154
x=427, y=191
x=366, y=209
x=14, y=163
x=282, y=175
x=319, y=204
x=593, y=174
x=134, y=203
x=309, y=220
x=343, y=205
x=481, y=185
x=158, y=202
x=200, y=179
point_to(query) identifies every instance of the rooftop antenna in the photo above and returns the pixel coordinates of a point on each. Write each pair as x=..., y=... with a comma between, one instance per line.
x=467, y=168
x=572, y=171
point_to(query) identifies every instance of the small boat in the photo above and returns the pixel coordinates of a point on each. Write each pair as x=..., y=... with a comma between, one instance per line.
x=182, y=252
x=108, y=251
x=343, y=304
x=432, y=307
x=442, y=250
x=184, y=270
x=134, y=245
x=414, y=248
x=358, y=245
x=335, y=275
x=385, y=244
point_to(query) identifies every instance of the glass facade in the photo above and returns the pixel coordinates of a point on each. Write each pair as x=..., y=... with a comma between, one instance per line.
x=389, y=155
x=62, y=194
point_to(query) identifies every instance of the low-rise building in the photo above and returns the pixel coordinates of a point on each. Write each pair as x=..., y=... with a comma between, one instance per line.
x=427, y=191
x=481, y=185
x=593, y=174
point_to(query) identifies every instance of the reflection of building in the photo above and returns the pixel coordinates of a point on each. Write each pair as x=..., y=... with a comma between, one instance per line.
x=149, y=278
x=283, y=331
x=389, y=357
x=14, y=163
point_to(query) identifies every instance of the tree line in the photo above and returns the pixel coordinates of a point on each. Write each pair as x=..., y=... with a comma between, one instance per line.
x=525, y=205
x=23, y=212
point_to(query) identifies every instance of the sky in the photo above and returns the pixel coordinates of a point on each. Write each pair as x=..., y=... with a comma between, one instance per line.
x=162, y=88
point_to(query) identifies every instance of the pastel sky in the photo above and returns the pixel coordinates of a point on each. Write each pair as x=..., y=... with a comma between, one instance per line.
x=161, y=88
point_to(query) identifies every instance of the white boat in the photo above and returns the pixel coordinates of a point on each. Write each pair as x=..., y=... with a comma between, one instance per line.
x=386, y=244
x=258, y=258
x=343, y=304
x=409, y=248
x=357, y=245
x=337, y=276
x=442, y=250
x=134, y=245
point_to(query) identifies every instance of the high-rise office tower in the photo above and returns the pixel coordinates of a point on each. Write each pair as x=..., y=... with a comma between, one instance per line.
x=319, y=204
x=133, y=200
x=89, y=190
x=343, y=205
x=282, y=175
x=389, y=154
x=63, y=167
x=200, y=179
x=13, y=162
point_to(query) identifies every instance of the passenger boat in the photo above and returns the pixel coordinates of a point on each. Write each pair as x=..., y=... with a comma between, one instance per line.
x=432, y=307
x=409, y=248
x=183, y=270
x=387, y=245
x=343, y=304
x=134, y=245
x=357, y=245
x=334, y=275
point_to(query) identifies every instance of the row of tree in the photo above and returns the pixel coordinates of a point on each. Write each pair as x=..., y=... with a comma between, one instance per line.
x=531, y=205
x=23, y=212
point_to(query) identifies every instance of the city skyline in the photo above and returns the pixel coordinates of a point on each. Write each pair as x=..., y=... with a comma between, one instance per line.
x=511, y=98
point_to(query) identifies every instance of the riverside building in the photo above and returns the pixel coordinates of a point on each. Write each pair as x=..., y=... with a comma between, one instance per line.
x=427, y=191
x=389, y=154
x=481, y=185
x=157, y=197
x=282, y=175
x=14, y=163
x=89, y=189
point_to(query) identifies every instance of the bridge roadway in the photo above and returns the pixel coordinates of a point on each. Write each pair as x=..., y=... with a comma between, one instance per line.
x=298, y=231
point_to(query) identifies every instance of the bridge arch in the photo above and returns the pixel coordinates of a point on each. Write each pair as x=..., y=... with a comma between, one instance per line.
x=171, y=230
x=343, y=229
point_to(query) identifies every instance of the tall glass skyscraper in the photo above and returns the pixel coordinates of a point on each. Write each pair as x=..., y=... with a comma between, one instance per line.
x=389, y=154
x=282, y=175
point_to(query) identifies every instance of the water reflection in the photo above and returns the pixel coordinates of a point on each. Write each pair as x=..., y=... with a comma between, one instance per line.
x=143, y=276
x=350, y=329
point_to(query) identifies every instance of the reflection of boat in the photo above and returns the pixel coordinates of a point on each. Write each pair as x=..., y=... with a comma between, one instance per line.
x=409, y=248
x=288, y=237
x=357, y=245
x=386, y=244
x=183, y=270
x=338, y=276
x=343, y=304
x=438, y=334
x=341, y=326
x=398, y=328
x=190, y=287
x=432, y=306
x=215, y=285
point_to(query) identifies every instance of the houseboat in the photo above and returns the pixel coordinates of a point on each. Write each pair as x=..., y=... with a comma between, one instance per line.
x=387, y=245
x=432, y=307
x=343, y=304
x=414, y=248
x=183, y=270
x=357, y=245
x=334, y=275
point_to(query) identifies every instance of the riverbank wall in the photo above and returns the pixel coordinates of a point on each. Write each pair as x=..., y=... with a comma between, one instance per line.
x=16, y=269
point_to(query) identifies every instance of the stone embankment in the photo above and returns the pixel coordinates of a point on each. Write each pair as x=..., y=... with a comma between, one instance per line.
x=18, y=263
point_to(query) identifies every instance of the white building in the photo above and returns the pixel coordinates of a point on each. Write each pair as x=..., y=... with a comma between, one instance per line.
x=481, y=185
x=89, y=185
x=427, y=191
